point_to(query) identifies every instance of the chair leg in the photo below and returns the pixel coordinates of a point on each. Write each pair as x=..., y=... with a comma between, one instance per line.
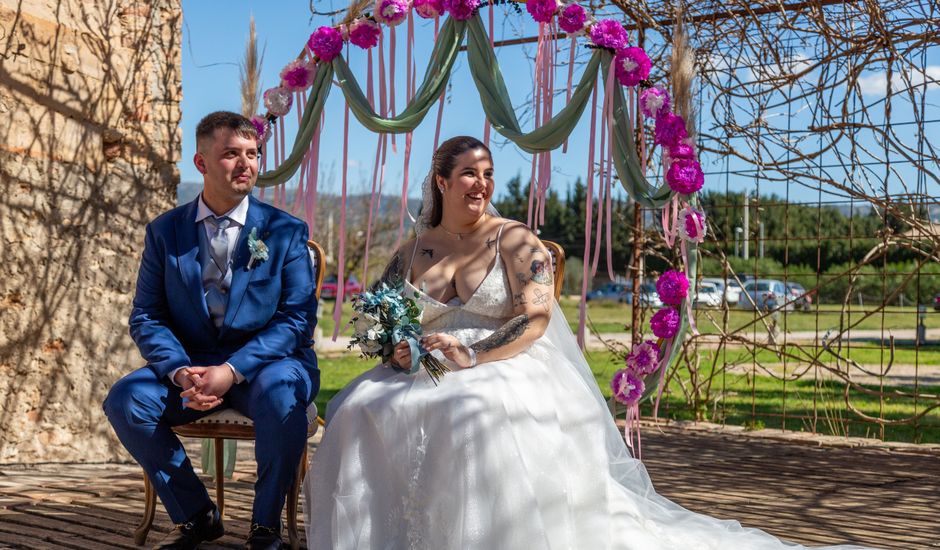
x=219, y=476
x=292, y=500
x=150, y=506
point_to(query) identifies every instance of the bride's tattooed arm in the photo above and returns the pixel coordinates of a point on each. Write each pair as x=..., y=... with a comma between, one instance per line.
x=531, y=285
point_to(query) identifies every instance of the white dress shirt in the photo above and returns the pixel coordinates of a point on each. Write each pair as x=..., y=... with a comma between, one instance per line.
x=237, y=215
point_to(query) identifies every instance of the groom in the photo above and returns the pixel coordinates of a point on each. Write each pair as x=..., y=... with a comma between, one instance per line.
x=223, y=315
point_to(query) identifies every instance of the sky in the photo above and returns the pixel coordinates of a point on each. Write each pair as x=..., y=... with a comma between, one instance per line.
x=214, y=37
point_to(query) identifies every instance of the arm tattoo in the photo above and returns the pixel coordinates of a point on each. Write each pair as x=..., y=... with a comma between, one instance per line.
x=541, y=272
x=504, y=335
x=393, y=274
x=518, y=299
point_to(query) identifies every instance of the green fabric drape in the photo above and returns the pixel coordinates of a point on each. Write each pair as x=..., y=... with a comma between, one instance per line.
x=498, y=108
x=308, y=124
x=436, y=75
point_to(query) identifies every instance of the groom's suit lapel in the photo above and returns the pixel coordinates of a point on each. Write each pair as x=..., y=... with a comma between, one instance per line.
x=257, y=218
x=190, y=267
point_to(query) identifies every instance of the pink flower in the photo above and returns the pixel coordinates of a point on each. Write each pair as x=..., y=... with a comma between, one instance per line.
x=262, y=126
x=672, y=287
x=653, y=101
x=391, y=12
x=682, y=150
x=429, y=9
x=542, y=10
x=627, y=387
x=609, y=34
x=364, y=32
x=297, y=75
x=572, y=18
x=632, y=66
x=278, y=101
x=326, y=43
x=692, y=224
x=644, y=358
x=670, y=129
x=685, y=176
x=461, y=10
x=665, y=323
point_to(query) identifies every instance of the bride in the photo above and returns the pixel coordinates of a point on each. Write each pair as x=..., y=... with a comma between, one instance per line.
x=515, y=448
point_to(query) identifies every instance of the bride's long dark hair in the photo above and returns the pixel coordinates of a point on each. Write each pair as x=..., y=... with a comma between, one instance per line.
x=442, y=164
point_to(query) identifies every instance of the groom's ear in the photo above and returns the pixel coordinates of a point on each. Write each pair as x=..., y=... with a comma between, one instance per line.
x=200, y=162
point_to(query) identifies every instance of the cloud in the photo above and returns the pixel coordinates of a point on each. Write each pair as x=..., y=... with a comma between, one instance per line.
x=876, y=83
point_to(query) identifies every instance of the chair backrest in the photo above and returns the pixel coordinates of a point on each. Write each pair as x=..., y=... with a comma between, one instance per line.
x=316, y=258
x=558, y=265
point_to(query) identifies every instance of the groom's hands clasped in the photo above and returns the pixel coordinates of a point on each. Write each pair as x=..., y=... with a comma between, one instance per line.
x=203, y=387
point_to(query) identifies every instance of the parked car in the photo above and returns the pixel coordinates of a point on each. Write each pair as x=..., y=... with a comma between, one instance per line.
x=765, y=294
x=730, y=288
x=708, y=295
x=648, y=295
x=609, y=291
x=329, y=288
x=623, y=293
x=802, y=300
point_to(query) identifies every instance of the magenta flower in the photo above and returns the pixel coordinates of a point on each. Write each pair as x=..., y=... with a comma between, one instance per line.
x=461, y=10
x=542, y=10
x=297, y=75
x=429, y=9
x=682, y=150
x=632, y=66
x=627, y=387
x=685, y=176
x=644, y=358
x=326, y=43
x=654, y=101
x=692, y=224
x=670, y=129
x=572, y=18
x=278, y=100
x=609, y=34
x=391, y=12
x=262, y=126
x=672, y=287
x=364, y=32
x=665, y=323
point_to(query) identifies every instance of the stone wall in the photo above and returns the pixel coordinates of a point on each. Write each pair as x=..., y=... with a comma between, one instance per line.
x=89, y=140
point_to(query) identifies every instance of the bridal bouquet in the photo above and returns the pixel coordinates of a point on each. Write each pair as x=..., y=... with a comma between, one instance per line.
x=385, y=317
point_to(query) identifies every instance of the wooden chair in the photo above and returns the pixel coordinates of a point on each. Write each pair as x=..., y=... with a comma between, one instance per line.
x=558, y=265
x=230, y=424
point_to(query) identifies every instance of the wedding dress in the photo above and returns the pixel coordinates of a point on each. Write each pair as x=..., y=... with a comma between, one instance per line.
x=514, y=454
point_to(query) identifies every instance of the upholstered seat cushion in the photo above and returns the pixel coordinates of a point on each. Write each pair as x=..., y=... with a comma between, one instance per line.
x=231, y=417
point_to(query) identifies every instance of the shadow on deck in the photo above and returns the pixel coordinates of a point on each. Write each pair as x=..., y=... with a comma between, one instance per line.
x=808, y=494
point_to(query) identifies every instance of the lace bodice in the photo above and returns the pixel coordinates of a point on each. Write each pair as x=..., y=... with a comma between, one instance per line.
x=487, y=309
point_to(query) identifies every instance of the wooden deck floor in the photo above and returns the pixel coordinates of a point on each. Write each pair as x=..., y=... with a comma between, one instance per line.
x=813, y=495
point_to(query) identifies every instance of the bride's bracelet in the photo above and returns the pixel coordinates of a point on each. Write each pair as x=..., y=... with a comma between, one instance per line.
x=473, y=357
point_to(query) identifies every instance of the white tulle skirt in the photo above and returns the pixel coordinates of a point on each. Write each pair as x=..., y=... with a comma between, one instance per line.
x=514, y=454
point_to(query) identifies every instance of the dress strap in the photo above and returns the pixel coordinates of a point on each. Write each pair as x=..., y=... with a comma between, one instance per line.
x=499, y=234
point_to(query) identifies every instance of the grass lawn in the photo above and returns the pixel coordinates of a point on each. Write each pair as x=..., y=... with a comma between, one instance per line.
x=755, y=401
x=614, y=317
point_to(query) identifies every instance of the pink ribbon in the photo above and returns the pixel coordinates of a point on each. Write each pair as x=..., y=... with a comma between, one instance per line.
x=582, y=307
x=341, y=262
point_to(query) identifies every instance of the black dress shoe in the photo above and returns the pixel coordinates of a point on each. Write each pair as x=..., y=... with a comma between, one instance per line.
x=204, y=526
x=264, y=538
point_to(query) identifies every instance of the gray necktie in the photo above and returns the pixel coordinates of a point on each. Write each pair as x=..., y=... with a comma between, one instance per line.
x=215, y=277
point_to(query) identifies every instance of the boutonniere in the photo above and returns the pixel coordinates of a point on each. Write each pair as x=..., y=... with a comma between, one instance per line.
x=259, y=250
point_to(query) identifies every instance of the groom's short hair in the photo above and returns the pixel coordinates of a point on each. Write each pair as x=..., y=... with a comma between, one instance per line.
x=224, y=119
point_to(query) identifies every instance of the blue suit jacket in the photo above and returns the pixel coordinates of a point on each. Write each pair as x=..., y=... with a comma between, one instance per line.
x=271, y=310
